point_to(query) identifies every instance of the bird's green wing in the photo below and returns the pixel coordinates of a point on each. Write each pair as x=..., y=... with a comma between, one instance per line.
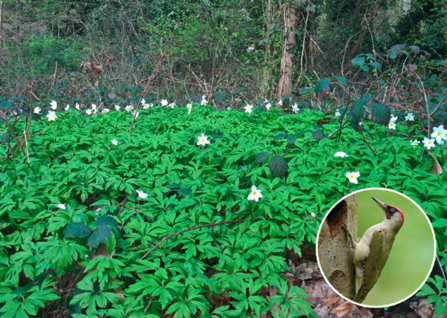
x=373, y=266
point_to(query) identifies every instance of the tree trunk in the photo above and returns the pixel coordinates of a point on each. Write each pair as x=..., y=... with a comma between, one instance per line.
x=335, y=251
x=1, y=32
x=358, y=44
x=286, y=71
x=267, y=53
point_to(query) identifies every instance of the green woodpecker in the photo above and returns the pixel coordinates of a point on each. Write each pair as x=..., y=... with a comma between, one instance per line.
x=371, y=253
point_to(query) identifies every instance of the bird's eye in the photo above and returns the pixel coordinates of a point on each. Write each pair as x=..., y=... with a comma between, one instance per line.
x=392, y=209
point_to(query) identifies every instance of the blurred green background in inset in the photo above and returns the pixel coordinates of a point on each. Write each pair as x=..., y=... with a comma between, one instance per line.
x=412, y=255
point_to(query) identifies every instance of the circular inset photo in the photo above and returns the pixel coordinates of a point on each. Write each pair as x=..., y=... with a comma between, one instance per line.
x=376, y=247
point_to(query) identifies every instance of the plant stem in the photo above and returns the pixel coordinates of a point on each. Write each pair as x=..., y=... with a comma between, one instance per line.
x=187, y=230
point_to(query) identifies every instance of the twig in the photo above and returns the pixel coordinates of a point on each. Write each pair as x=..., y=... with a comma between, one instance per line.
x=148, y=306
x=122, y=205
x=188, y=230
x=15, y=136
x=442, y=271
x=364, y=139
x=157, y=128
x=150, y=79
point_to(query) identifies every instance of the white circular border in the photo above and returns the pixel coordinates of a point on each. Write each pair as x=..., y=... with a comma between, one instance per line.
x=434, y=253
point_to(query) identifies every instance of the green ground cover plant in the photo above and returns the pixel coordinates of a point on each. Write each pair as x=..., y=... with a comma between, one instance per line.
x=106, y=223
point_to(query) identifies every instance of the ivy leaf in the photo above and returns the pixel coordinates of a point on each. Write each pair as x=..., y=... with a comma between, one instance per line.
x=279, y=136
x=291, y=139
x=185, y=191
x=322, y=84
x=261, y=157
x=278, y=166
x=173, y=186
x=99, y=236
x=343, y=81
x=358, y=109
x=77, y=229
x=318, y=134
x=106, y=220
x=380, y=113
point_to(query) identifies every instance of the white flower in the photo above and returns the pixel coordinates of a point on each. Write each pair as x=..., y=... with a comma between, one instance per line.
x=105, y=110
x=88, y=111
x=429, y=143
x=248, y=108
x=189, y=106
x=77, y=106
x=352, y=176
x=415, y=142
x=337, y=113
x=280, y=102
x=141, y=194
x=204, y=101
x=115, y=142
x=62, y=206
x=37, y=110
x=203, y=140
x=117, y=107
x=150, y=105
x=138, y=113
x=94, y=107
x=172, y=105
x=145, y=106
x=392, y=125
x=164, y=102
x=129, y=108
x=393, y=119
x=143, y=101
x=341, y=154
x=295, y=108
x=313, y=215
x=439, y=133
x=255, y=194
x=268, y=105
x=53, y=104
x=51, y=116
x=67, y=107
x=409, y=117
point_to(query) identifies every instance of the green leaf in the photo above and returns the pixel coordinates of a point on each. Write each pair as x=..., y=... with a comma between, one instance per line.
x=99, y=236
x=216, y=136
x=318, y=134
x=261, y=157
x=322, y=84
x=77, y=229
x=278, y=166
x=185, y=191
x=343, y=81
x=106, y=220
x=380, y=113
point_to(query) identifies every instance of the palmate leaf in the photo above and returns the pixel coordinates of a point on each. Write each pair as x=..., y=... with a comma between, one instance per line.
x=77, y=230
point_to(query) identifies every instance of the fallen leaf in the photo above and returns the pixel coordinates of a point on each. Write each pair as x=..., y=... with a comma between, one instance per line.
x=321, y=311
x=343, y=309
x=424, y=309
x=436, y=169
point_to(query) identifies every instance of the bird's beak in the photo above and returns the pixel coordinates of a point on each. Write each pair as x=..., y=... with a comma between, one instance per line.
x=380, y=203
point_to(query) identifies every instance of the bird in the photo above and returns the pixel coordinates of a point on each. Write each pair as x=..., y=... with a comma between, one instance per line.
x=373, y=249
